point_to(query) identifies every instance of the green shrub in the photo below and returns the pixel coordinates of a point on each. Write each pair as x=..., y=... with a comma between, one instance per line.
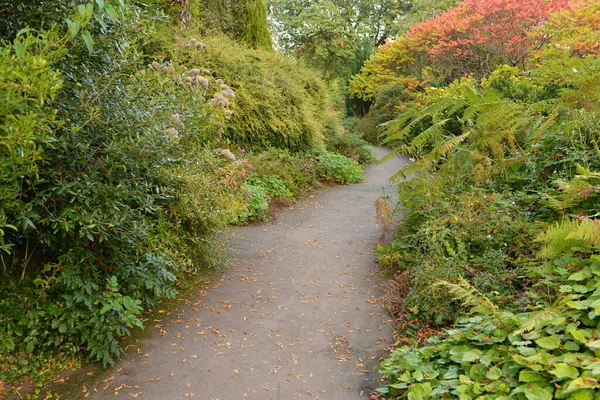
x=115, y=193
x=551, y=352
x=338, y=168
x=278, y=102
x=352, y=146
x=484, y=237
x=263, y=189
x=367, y=128
x=295, y=170
x=257, y=203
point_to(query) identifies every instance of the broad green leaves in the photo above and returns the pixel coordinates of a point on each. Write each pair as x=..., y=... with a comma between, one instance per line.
x=543, y=363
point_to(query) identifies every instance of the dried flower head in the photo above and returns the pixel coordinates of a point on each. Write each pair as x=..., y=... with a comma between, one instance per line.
x=220, y=100
x=202, y=81
x=220, y=81
x=155, y=66
x=197, y=80
x=198, y=45
x=174, y=133
x=176, y=118
x=228, y=154
x=228, y=93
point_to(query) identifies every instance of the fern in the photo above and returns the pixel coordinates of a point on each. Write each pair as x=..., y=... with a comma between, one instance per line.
x=491, y=129
x=466, y=293
x=540, y=319
x=569, y=233
x=585, y=184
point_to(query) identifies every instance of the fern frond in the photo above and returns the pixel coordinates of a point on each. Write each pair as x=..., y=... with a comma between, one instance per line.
x=471, y=297
x=540, y=319
x=582, y=186
x=430, y=135
x=569, y=233
x=466, y=293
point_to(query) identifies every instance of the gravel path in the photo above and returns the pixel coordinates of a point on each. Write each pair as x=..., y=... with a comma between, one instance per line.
x=295, y=317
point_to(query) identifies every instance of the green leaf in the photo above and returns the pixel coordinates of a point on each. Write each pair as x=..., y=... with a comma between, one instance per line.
x=89, y=41
x=580, y=335
x=537, y=393
x=452, y=373
x=549, y=342
x=494, y=373
x=398, y=385
x=581, y=275
x=594, y=345
x=563, y=370
x=580, y=288
x=100, y=4
x=112, y=13
x=73, y=27
x=418, y=375
x=85, y=10
x=571, y=346
x=578, y=305
x=526, y=376
x=419, y=392
x=582, y=395
x=478, y=372
x=583, y=383
x=471, y=355
x=105, y=309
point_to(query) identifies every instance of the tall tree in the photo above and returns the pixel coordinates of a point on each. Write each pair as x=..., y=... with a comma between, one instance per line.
x=331, y=34
x=472, y=38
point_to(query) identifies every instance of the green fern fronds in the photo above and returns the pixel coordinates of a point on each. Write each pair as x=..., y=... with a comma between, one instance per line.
x=471, y=297
x=580, y=188
x=490, y=128
x=540, y=319
x=569, y=233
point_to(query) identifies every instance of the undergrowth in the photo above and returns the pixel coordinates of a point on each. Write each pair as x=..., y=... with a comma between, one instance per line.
x=498, y=248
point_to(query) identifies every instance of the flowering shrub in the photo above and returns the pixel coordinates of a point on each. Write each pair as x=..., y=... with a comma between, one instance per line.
x=109, y=192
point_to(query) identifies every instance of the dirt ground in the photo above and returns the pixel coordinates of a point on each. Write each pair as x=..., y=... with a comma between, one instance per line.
x=296, y=315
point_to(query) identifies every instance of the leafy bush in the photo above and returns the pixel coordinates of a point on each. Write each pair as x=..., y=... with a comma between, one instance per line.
x=263, y=189
x=338, y=168
x=296, y=170
x=351, y=145
x=115, y=192
x=544, y=354
x=481, y=236
x=278, y=103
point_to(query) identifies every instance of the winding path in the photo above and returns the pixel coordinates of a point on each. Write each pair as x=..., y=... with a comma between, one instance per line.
x=295, y=316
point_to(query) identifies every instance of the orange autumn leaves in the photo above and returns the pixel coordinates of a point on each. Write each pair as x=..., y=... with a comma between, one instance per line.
x=471, y=39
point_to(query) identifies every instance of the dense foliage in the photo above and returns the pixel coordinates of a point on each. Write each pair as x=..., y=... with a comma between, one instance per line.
x=472, y=38
x=501, y=230
x=126, y=144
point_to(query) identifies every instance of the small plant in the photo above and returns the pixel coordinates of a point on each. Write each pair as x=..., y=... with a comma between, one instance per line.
x=338, y=168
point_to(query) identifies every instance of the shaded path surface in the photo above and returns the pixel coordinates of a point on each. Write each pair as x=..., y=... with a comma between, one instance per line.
x=296, y=315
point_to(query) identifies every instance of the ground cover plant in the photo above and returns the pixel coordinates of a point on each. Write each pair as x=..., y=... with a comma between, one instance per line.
x=499, y=236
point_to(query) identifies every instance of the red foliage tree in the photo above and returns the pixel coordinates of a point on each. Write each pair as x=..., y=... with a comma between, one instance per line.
x=475, y=36
x=472, y=39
